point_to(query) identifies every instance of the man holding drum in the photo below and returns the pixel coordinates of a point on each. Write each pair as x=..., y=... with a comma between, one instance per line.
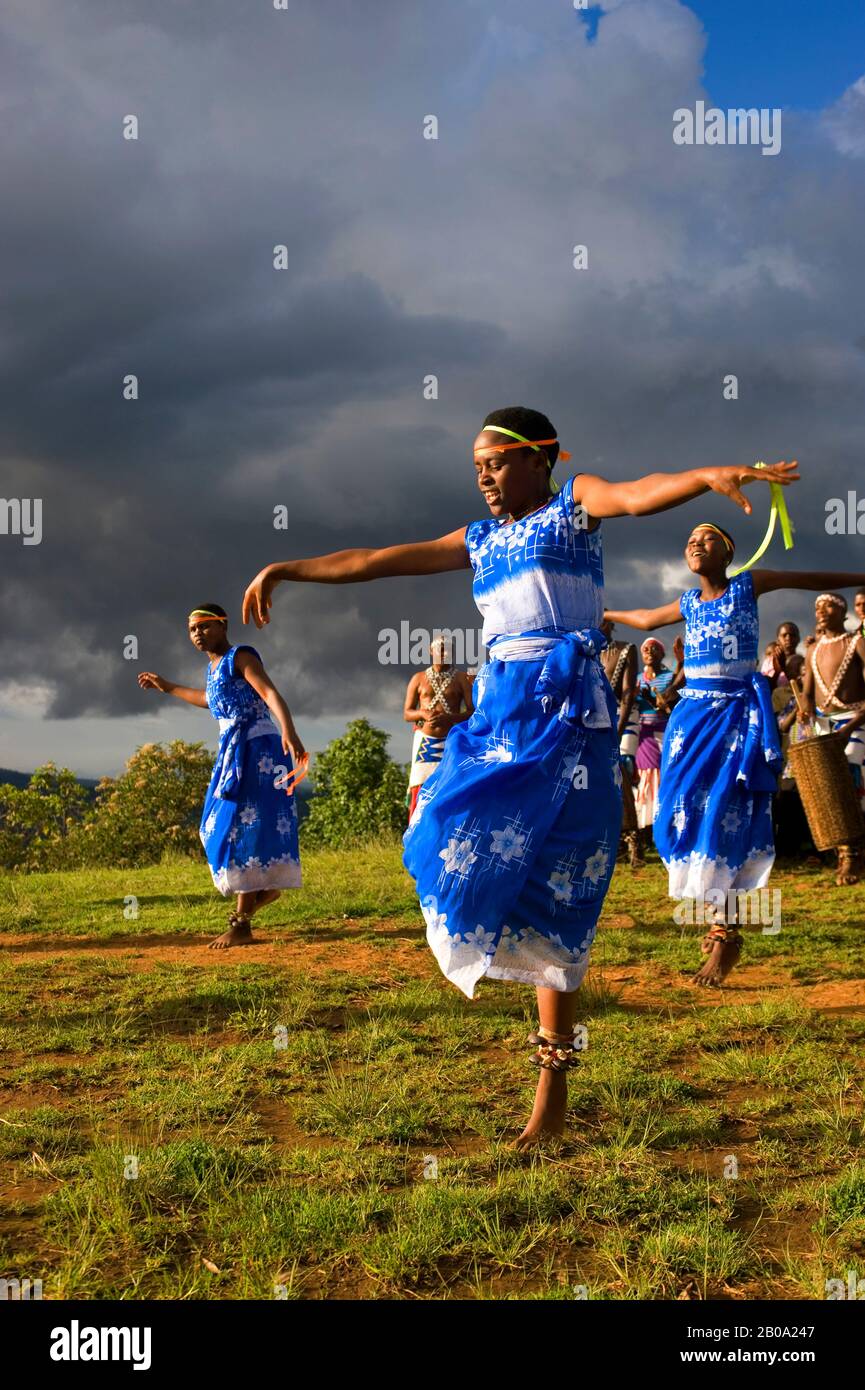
x=834, y=687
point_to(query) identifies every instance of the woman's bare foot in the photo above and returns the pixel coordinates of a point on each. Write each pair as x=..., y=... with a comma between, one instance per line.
x=548, y=1113
x=722, y=956
x=238, y=934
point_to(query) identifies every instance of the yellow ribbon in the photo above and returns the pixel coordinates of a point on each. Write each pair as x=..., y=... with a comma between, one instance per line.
x=777, y=512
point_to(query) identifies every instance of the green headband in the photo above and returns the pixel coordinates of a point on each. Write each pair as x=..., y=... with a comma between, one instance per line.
x=500, y=429
x=206, y=613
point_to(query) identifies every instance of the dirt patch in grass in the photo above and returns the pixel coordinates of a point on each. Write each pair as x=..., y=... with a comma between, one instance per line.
x=349, y=951
x=838, y=997
x=279, y=1125
x=653, y=986
x=644, y=986
x=618, y=921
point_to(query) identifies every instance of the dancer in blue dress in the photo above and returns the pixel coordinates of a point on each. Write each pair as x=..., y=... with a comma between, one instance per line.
x=722, y=755
x=249, y=824
x=513, y=838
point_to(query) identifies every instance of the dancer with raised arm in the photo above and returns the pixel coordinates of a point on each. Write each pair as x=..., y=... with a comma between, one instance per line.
x=722, y=754
x=513, y=839
x=249, y=824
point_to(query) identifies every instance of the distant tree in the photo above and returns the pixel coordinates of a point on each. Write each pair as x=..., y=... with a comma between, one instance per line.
x=153, y=806
x=359, y=790
x=37, y=821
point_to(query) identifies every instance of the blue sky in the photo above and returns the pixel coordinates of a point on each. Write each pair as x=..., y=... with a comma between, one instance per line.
x=789, y=53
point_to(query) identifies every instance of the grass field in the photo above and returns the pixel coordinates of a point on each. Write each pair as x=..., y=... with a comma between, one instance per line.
x=322, y=1116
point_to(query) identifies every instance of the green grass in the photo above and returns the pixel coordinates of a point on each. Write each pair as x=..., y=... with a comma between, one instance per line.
x=157, y=1140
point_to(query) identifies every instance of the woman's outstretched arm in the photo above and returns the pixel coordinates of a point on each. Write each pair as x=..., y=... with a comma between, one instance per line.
x=355, y=567
x=149, y=680
x=767, y=580
x=658, y=492
x=646, y=618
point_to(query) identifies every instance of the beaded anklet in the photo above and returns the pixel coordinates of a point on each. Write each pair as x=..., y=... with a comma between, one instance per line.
x=554, y=1051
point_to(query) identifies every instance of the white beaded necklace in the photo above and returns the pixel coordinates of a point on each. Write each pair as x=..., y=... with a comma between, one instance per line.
x=440, y=680
x=828, y=693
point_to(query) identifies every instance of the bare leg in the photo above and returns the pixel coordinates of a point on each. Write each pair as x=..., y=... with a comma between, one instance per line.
x=722, y=947
x=849, y=865
x=263, y=897
x=556, y=1012
x=636, y=853
x=239, y=932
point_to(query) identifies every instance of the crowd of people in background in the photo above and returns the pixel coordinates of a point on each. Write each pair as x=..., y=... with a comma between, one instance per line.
x=831, y=686
x=645, y=685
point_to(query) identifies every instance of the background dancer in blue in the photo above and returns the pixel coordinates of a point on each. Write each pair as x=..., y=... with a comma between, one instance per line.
x=722, y=754
x=514, y=837
x=249, y=824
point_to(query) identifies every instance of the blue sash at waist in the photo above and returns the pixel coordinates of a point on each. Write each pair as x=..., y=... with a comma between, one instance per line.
x=230, y=756
x=762, y=746
x=572, y=679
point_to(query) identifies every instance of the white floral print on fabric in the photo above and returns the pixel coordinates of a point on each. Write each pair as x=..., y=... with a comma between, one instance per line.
x=509, y=843
x=248, y=827
x=713, y=828
x=458, y=856
x=507, y=807
x=250, y=877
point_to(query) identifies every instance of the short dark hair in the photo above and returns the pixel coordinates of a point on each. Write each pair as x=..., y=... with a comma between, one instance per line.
x=728, y=538
x=797, y=636
x=216, y=608
x=529, y=423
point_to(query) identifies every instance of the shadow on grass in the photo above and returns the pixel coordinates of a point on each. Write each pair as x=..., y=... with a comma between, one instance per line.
x=147, y=898
x=48, y=944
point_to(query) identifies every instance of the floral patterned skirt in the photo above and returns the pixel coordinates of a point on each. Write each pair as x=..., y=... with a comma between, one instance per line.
x=250, y=834
x=713, y=827
x=513, y=840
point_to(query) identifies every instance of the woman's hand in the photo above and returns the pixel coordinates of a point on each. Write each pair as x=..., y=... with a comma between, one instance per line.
x=730, y=481
x=259, y=596
x=679, y=650
x=148, y=680
x=292, y=744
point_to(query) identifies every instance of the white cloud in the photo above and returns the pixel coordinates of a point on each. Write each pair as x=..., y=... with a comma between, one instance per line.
x=845, y=121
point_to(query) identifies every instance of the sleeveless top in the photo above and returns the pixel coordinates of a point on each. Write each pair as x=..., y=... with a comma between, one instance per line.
x=231, y=699
x=544, y=573
x=721, y=636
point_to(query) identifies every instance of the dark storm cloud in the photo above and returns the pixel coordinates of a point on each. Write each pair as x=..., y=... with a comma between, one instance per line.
x=303, y=387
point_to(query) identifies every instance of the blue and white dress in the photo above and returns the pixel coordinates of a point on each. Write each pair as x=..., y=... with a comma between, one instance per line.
x=513, y=840
x=249, y=825
x=722, y=754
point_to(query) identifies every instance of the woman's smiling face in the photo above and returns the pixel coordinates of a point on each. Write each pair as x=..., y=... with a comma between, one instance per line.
x=706, y=551
x=511, y=481
x=651, y=653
